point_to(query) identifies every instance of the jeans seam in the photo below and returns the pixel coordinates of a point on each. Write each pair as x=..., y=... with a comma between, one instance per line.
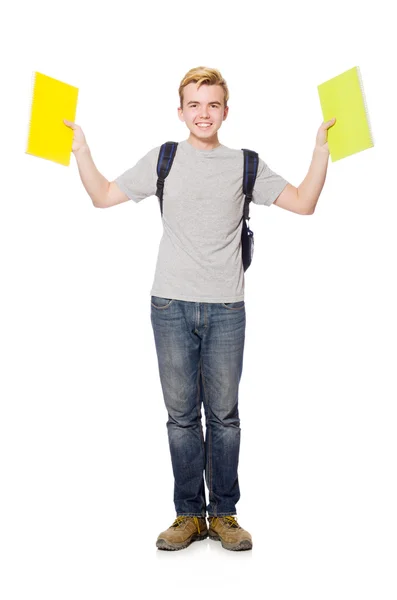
x=209, y=436
x=199, y=419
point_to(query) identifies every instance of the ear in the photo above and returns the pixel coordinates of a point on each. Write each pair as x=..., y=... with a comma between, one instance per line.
x=225, y=112
x=180, y=114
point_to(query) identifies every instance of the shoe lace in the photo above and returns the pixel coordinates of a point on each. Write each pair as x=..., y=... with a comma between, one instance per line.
x=231, y=521
x=179, y=520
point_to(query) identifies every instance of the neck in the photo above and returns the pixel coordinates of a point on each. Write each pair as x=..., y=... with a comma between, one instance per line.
x=200, y=144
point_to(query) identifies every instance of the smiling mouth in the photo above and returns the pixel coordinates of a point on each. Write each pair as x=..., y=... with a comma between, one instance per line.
x=204, y=125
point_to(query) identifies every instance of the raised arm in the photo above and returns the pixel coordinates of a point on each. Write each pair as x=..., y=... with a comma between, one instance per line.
x=102, y=193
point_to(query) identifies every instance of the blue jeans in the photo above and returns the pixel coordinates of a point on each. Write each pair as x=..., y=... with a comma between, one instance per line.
x=200, y=350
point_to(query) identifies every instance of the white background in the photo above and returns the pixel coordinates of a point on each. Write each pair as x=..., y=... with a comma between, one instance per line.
x=86, y=479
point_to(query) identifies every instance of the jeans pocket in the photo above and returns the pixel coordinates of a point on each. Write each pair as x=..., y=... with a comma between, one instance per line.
x=158, y=302
x=234, y=305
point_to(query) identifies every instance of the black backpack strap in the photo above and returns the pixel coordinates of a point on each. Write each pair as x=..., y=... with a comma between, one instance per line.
x=164, y=164
x=251, y=161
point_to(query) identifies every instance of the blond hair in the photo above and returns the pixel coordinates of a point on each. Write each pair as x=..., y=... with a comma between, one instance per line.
x=203, y=75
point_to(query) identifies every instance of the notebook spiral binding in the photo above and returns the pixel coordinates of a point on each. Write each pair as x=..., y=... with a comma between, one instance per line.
x=365, y=105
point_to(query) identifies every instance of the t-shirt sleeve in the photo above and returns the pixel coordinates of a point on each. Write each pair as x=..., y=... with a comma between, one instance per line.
x=140, y=181
x=268, y=185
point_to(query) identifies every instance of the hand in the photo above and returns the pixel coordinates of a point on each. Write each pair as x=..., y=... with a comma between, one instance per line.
x=78, y=136
x=321, y=139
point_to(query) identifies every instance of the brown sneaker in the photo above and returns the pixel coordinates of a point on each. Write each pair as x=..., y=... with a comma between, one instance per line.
x=182, y=532
x=229, y=533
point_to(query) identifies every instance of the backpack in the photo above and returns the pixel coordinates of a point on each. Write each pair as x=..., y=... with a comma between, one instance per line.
x=164, y=163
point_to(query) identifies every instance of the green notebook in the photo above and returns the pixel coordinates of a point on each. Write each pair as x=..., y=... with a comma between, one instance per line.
x=343, y=98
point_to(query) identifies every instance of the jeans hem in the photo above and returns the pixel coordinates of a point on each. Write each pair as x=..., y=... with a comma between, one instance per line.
x=190, y=515
x=227, y=514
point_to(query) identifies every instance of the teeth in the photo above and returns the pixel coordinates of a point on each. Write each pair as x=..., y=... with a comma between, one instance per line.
x=203, y=126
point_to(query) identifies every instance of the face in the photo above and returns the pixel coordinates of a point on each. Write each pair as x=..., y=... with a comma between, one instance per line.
x=203, y=111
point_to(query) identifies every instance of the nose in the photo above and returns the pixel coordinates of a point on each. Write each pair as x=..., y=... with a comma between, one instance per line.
x=204, y=113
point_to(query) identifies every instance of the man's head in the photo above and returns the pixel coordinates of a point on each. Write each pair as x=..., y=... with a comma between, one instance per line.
x=203, y=95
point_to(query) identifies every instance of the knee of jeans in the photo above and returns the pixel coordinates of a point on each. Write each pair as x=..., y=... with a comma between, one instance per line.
x=192, y=419
x=224, y=419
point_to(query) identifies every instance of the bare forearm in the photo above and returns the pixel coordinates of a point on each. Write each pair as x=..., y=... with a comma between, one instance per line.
x=310, y=189
x=95, y=183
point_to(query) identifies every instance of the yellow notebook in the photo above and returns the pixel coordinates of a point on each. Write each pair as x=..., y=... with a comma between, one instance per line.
x=52, y=101
x=343, y=98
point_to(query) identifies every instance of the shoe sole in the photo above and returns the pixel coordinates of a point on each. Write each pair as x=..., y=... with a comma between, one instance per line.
x=243, y=545
x=162, y=544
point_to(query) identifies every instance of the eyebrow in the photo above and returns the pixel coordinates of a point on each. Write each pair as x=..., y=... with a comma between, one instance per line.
x=196, y=102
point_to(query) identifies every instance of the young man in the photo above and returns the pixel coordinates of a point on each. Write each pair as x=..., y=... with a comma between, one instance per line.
x=197, y=298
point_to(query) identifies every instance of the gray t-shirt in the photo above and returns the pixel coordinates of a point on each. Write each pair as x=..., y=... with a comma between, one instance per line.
x=199, y=257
